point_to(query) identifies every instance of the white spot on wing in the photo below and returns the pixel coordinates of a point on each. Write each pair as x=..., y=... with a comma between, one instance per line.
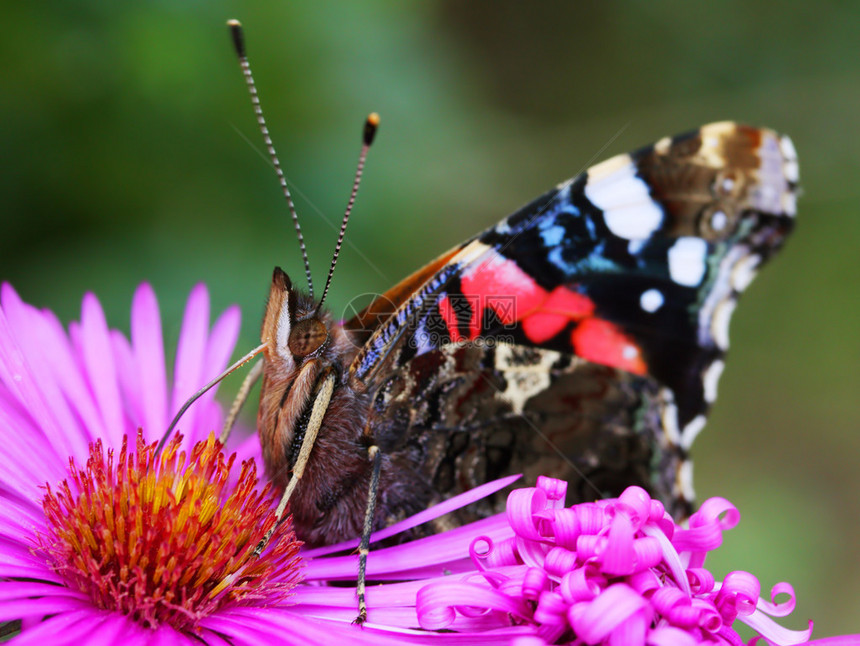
x=719, y=220
x=685, y=481
x=635, y=246
x=787, y=147
x=670, y=420
x=691, y=431
x=720, y=323
x=711, y=378
x=651, y=300
x=687, y=259
x=744, y=272
x=792, y=171
x=624, y=198
x=789, y=204
x=790, y=167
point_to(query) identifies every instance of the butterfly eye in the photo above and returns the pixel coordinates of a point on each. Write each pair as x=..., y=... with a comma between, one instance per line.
x=307, y=337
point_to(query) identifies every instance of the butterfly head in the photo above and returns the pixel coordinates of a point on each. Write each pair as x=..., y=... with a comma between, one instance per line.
x=293, y=330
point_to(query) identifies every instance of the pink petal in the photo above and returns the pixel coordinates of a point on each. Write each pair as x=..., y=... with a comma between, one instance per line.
x=190, y=355
x=737, y=595
x=565, y=528
x=69, y=374
x=27, y=457
x=148, y=348
x=26, y=322
x=604, y=615
x=453, y=503
x=130, y=391
x=775, y=609
x=671, y=636
x=437, y=609
x=522, y=506
x=16, y=373
x=101, y=370
x=618, y=557
x=220, y=346
x=559, y=561
x=773, y=632
x=70, y=627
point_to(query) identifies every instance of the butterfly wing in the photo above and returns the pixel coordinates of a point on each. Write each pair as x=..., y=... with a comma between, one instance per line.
x=596, y=316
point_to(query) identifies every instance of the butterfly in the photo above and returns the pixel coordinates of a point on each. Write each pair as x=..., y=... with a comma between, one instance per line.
x=581, y=337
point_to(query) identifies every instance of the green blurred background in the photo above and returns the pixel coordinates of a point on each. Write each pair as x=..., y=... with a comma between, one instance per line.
x=126, y=158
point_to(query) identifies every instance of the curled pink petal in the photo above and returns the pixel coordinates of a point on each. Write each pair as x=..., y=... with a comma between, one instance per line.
x=555, y=491
x=559, y=561
x=738, y=595
x=675, y=606
x=531, y=640
x=532, y=552
x=608, y=612
x=638, y=504
x=551, y=609
x=581, y=584
x=647, y=552
x=523, y=504
x=565, y=527
x=775, y=609
x=592, y=518
x=534, y=582
x=633, y=629
x=645, y=582
x=618, y=557
x=710, y=620
x=503, y=553
x=671, y=636
x=704, y=538
x=588, y=546
x=717, y=510
x=701, y=580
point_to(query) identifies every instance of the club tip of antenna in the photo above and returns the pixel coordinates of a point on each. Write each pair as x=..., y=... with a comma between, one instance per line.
x=370, y=127
x=238, y=38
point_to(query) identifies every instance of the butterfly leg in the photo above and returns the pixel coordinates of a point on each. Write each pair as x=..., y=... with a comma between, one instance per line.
x=374, y=454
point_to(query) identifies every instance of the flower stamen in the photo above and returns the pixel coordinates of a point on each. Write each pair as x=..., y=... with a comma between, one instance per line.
x=169, y=538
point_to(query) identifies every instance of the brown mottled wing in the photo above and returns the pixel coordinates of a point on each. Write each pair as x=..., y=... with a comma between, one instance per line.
x=467, y=414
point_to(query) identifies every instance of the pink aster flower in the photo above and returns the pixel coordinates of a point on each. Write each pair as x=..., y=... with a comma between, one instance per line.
x=102, y=541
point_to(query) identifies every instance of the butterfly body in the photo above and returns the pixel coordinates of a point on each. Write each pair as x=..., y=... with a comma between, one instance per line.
x=581, y=337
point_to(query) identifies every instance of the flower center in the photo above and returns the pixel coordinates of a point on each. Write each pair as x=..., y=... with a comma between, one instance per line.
x=166, y=543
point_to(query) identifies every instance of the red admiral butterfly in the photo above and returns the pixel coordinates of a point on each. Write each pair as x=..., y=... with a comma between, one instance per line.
x=581, y=337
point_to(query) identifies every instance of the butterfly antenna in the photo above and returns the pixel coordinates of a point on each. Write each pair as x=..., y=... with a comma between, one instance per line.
x=239, y=45
x=371, y=125
x=253, y=353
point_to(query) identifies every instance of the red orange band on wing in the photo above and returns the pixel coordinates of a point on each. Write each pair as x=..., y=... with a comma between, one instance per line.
x=542, y=314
